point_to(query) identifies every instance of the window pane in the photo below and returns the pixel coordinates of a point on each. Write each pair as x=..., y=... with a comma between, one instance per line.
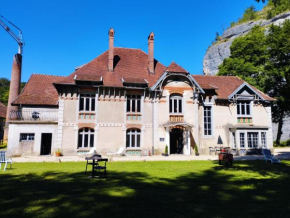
x=128, y=104
x=133, y=140
x=243, y=108
x=81, y=104
x=238, y=107
x=138, y=105
x=133, y=105
x=128, y=141
x=93, y=104
x=175, y=105
x=138, y=141
x=87, y=104
x=86, y=141
x=248, y=109
x=170, y=106
x=80, y=140
x=91, y=140
x=180, y=106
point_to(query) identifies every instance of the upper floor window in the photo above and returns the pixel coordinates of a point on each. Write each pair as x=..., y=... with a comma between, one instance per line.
x=87, y=102
x=175, y=104
x=133, y=103
x=86, y=138
x=207, y=120
x=244, y=108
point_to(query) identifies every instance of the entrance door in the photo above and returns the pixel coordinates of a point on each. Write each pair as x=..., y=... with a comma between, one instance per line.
x=176, y=141
x=45, y=147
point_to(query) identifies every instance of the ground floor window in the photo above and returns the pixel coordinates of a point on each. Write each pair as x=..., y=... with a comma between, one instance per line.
x=263, y=139
x=251, y=139
x=133, y=138
x=26, y=137
x=242, y=140
x=86, y=138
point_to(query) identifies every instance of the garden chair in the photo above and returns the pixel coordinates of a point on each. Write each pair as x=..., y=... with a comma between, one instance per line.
x=269, y=157
x=4, y=159
x=118, y=153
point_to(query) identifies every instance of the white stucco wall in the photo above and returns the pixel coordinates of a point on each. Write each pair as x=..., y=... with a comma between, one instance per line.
x=15, y=147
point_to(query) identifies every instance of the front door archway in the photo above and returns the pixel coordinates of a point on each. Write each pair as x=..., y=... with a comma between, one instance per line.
x=176, y=141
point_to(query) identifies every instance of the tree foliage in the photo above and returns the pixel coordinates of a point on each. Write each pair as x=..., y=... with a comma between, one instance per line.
x=4, y=90
x=263, y=60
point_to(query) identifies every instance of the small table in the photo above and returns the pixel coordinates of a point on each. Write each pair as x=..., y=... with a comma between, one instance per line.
x=96, y=159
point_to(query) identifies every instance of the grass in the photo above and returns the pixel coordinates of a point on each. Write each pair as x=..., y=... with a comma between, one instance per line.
x=146, y=189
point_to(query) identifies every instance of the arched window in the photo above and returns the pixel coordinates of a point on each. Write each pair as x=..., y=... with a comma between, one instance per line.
x=133, y=138
x=175, y=104
x=86, y=138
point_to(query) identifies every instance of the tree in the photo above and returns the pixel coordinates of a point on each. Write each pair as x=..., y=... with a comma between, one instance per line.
x=4, y=90
x=263, y=60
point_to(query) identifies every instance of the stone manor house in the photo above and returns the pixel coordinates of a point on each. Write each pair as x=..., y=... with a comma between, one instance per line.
x=126, y=98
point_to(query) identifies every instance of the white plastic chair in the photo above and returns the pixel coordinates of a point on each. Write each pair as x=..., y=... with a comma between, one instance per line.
x=118, y=153
x=4, y=159
x=92, y=151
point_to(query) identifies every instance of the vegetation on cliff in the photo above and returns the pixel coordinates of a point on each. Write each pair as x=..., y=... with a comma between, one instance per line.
x=263, y=60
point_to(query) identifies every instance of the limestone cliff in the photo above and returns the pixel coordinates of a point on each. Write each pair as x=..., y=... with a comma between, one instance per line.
x=221, y=50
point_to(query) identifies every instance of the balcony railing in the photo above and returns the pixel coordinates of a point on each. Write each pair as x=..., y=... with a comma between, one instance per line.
x=176, y=118
x=34, y=115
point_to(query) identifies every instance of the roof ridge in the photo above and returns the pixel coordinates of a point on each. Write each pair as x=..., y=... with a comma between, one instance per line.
x=41, y=74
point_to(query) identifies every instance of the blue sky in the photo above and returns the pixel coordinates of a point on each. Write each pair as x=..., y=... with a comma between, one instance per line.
x=61, y=35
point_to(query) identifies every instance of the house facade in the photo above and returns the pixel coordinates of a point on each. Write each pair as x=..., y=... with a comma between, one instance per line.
x=126, y=98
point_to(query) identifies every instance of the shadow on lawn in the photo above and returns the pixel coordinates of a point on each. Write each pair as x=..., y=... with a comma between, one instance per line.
x=216, y=192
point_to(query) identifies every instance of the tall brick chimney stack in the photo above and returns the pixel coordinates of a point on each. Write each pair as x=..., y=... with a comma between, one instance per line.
x=14, y=87
x=14, y=83
x=111, y=50
x=151, y=53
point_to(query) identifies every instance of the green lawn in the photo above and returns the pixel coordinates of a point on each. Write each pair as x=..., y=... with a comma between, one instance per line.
x=147, y=189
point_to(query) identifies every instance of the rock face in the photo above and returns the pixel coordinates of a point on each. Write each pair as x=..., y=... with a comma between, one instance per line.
x=218, y=52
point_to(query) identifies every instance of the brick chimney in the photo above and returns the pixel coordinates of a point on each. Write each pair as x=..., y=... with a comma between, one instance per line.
x=151, y=53
x=111, y=50
x=14, y=87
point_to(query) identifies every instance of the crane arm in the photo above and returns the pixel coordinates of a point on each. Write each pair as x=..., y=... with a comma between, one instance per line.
x=18, y=39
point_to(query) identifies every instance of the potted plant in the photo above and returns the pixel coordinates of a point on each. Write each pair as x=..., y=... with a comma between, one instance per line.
x=196, y=150
x=166, y=151
x=58, y=153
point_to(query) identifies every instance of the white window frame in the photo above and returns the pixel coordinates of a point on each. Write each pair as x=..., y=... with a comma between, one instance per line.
x=133, y=133
x=137, y=100
x=246, y=138
x=264, y=142
x=179, y=102
x=234, y=140
x=27, y=137
x=251, y=139
x=243, y=104
x=83, y=133
x=91, y=101
x=208, y=104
